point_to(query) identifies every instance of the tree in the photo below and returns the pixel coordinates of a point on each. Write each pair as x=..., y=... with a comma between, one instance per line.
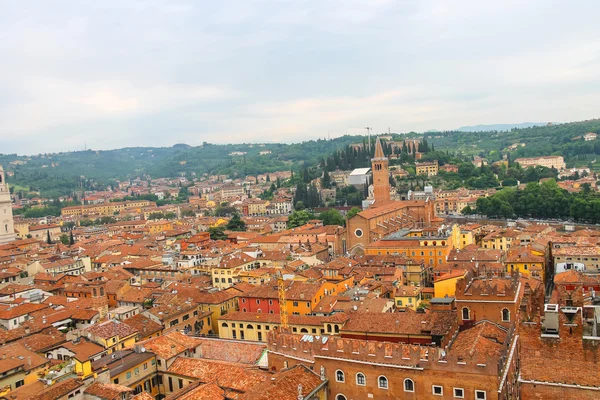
x=48, y=238
x=217, y=233
x=353, y=211
x=156, y=215
x=299, y=218
x=300, y=206
x=170, y=215
x=331, y=217
x=188, y=213
x=467, y=211
x=64, y=239
x=236, y=223
x=71, y=239
x=224, y=210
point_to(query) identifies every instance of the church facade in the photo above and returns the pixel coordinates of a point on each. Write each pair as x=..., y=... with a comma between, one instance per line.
x=385, y=216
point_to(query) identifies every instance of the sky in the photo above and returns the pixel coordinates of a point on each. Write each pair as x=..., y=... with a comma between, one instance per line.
x=113, y=73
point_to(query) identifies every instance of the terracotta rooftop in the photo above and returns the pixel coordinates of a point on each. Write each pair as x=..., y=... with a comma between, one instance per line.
x=568, y=360
x=199, y=391
x=144, y=325
x=108, y=329
x=284, y=385
x=407, y=323
x=229, y=375
x=58, y=390
x=170, y=345
x=107, y=391
x=485, y=338
x=229, y=350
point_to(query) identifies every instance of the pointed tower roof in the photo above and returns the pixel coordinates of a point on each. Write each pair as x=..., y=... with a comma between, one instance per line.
x=379, y=149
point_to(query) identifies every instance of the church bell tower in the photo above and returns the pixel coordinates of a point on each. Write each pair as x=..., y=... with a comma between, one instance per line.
x=7, y=228
x=381, y=175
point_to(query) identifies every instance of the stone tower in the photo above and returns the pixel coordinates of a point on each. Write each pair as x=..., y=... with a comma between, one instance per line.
x=381, y=175
x=7, y=229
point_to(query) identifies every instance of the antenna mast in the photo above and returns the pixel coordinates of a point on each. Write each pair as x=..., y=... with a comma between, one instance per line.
x=369, y=129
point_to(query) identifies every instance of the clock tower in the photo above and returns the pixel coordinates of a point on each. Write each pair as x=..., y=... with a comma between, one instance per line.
x=7, y=229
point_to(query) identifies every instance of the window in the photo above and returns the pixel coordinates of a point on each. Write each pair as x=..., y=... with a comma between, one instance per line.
x=116, y=381
x=480, y=395
x=382, y=382
x=129, y=375
x=340, y=397
x=360, y=379
x=339, y=376
x=257, y=301
x=437, y=390
x=243, y=300
x=180, y=384
x=459, y=393
x=145, y=366
x=295, y=304
x=505, y=315
x=409, y=385
x=466, y=314
x=19, y=383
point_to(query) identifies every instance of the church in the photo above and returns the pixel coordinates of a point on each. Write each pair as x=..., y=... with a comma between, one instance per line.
x=385, y=216
x=7, y=229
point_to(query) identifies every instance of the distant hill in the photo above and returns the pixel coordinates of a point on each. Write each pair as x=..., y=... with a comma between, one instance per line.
x=500, y=127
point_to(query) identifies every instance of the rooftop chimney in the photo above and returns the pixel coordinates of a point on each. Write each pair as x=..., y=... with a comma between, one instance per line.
x=550, y=321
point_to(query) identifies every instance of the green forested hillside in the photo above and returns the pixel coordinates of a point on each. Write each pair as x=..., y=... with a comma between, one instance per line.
x=61, y=173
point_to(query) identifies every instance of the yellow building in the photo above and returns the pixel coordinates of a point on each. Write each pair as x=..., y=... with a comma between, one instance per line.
x=219, y=304
x=527, y=264
x=427, y=168
x=254, y=326
x=500, y=239
x=408, y=296
x=19, y=367
x=112, y=335
x=445, y=285
x=134, y=368
x=160, y=226
x=110, y=208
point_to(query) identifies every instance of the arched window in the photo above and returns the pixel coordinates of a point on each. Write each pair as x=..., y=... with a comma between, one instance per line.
x=409, y=385
x=339, y=376
x=505, y=315
x=224, y=325
x=360, y=379
x=285, y=364
x=303, y=330
x=466, y=314
x=340, y=397
x=249, y=326
x=382, y=382
x=336, y=328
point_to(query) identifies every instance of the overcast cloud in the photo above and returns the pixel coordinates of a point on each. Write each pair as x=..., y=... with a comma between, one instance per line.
x=120, y=73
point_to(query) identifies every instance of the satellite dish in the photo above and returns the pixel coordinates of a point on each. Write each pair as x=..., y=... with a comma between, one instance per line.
x=143, y=349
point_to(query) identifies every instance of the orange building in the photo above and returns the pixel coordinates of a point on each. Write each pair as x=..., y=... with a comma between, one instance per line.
x=429, y=250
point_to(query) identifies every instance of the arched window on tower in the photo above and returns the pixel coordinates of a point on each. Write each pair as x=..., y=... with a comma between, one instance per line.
x=466, y=314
